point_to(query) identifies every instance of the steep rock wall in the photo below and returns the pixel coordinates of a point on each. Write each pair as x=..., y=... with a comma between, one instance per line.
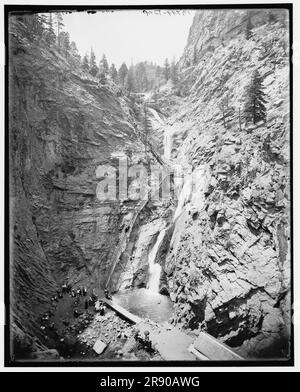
x=229, y=265
x=62, y=126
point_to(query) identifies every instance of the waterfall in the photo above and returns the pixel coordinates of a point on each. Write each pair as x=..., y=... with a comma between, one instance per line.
x=168, y=133
x=167, y=144
x=184, y=195
x=155, y=268
x=193, y=190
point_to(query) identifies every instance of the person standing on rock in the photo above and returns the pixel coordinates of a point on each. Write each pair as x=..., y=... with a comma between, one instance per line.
x=102, y=309
x=107, y=294
x=97, y=305
x=147, y=342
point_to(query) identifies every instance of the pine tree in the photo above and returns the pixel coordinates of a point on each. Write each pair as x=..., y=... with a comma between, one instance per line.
x=123, y=71
x=104, y=64
x=130, y=80
x=85, y=63
x=59, y=26
x=141, y=80
x=159, y=76
x=249, y=27
x=35, y=25
x=113, y=73
x=102, y=74
x=255, y=96
x=50, y=34
x=64, y=40
x=74, y=51
x=41, y=22
x=167, y=70
x=92, y=65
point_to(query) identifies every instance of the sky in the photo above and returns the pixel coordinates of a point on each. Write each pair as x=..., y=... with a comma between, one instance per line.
x=130, y=35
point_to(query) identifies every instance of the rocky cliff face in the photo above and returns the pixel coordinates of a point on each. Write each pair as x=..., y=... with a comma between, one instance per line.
x=225, y=254
x=228, y=265
x=63, y=125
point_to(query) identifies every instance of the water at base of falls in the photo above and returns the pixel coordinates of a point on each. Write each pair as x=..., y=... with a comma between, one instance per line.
x=154, y=278
x=146, y=304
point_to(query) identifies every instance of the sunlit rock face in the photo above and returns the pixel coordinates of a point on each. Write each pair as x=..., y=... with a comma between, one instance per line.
x=63, y=125
x=229, y=264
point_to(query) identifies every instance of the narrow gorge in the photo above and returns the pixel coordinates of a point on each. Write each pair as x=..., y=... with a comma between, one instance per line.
x=195, y=237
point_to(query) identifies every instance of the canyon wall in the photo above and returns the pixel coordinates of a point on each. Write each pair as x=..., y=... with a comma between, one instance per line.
x=225, y=256
x=228, y=266
x=63, y=124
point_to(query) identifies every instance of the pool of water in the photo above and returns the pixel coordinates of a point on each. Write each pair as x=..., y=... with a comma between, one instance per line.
x=146, y=304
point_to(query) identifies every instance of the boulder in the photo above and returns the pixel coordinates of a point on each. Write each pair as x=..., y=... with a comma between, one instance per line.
x=99, y=346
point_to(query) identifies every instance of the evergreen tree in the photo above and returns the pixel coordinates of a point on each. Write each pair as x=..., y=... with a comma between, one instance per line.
x=92, y=65
x=122, y=73
x=159, y=76
x=64, y=40
x=50, y=34
x=40, y=24
x=130, y=80
x=85, y=63
x=104, y=64
x=249, y=27
x=141, y=80
x=74, y=51
x=167, y=70
x=102, y=74
x=35, y=25
x=59, y=26
x=113, y=73
x=255, y=96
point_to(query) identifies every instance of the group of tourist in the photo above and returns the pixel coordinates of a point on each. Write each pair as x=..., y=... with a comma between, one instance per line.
x=66, y=289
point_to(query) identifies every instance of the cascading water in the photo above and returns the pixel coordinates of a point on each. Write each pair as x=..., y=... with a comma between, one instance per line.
x=155, y=268
x=167, y=144
x=193, y=190
x=184, y=195
x=168, y=133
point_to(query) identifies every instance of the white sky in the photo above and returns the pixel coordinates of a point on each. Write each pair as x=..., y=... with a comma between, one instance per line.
x=130, y=36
